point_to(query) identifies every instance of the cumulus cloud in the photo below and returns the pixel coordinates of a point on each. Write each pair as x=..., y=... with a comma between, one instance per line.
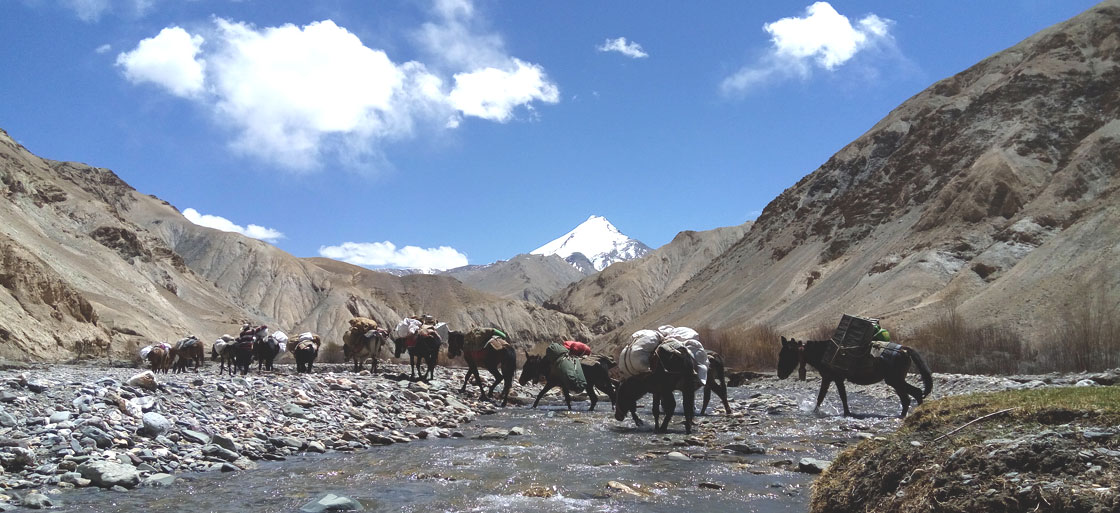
x=621, y=45
x=387, y=254
x=225, y=225
x=296, y=96
x=494, y=93
x=167, y=59
x=822, y=38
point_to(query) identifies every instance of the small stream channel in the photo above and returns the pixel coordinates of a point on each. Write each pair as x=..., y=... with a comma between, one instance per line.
x=564, y=463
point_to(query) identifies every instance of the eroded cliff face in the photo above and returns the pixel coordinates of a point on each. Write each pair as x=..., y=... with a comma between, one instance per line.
x=989, y=191
x=91, y=267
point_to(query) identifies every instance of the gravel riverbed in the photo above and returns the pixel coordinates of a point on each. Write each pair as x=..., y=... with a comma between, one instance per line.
x=73, y=426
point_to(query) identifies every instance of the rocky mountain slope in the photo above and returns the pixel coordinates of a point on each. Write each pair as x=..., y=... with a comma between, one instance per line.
x=992, y=192
x=625, y=290
x=532, y=278
x=90, y=266
x=598, y=241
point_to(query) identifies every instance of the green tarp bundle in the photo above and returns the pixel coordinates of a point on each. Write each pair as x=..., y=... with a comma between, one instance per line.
x=565, y=367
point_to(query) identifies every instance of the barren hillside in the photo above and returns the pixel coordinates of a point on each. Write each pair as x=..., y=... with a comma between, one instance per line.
x=88, y=265
x=531, y=278
x=992, y=191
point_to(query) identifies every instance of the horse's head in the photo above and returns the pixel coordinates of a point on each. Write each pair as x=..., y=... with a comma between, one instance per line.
x=791, y=354
x=626, y=397
x=454, y=344
x=531, y=370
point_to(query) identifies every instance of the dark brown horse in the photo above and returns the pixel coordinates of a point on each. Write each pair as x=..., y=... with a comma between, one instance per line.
x=672, y=370
x=422, y=347
x=159, y=357
x=501, y=363
x=891, y=367
x=596, y=369
x=716, y=381
x=185, y=352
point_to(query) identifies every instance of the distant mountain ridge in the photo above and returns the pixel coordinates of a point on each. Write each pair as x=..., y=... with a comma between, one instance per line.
x=598, y=241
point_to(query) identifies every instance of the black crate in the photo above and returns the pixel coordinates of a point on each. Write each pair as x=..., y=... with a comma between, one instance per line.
x=851, y=341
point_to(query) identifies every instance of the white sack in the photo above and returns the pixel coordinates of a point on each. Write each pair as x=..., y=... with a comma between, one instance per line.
x=280, y=337
x=634, y=358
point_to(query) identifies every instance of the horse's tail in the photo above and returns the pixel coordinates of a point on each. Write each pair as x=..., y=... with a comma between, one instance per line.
x=923, y=369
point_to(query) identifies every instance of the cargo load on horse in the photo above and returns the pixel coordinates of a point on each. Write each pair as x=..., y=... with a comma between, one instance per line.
x=855, y=339
x=577, y=349
x=635, y=357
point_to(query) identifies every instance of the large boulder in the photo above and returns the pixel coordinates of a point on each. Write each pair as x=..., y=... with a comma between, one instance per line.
x=108, y=474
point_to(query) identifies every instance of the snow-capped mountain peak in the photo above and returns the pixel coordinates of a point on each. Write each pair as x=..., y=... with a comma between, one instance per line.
x=598, y=240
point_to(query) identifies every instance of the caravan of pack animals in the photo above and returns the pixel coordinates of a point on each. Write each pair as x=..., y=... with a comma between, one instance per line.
x=657, y=362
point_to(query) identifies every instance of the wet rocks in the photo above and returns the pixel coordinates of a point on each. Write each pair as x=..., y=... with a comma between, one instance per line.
x=332, y=502
x=75, y=426
x=812, y=465
x=108, y=474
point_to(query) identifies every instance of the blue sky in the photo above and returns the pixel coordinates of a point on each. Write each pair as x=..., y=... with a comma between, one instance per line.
x=436, y=133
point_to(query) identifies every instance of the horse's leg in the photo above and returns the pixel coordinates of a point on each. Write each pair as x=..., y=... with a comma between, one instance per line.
x=567, y=397
x=607, y=388
x=903, y=397
x=668, y=405
x=466, y=379
x=505, y=389
x=825, y=382
x=707, y=395
x=547, y=386
x=721, y=391
x=591, y=395
x=688, y=397
x=843, y=396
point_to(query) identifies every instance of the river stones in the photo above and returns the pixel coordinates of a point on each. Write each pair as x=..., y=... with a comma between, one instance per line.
x=332, y=502
x=155, y=424
x=108, y=474
x=146, y=379
x=812, y=465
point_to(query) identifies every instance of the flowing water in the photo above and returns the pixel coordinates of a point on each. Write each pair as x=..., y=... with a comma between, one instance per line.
x=564, y=463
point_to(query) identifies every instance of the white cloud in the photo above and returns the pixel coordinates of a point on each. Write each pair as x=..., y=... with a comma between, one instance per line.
x=493, y=93
x=387, y=254
x=105, y=48
x=168, y=60
x=297, y=96
x=621, y=45
x=822, y=38
x=225, y=225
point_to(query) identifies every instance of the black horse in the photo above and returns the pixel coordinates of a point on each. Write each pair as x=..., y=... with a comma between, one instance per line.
x=672, y=370
x=264, y=351
x=305, y=352
x=424, y=347
x=716, y=381
x=501, y=363
x=242, y=351
x=596, y=369
x=890, y=368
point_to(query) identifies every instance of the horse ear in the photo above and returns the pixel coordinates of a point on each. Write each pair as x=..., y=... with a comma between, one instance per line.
x=784, y=341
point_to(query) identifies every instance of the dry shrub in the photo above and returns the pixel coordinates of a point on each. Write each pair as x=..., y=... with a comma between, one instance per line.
x=1085, y=339
x=752, y=347
x=330, y=353
x=951, y=344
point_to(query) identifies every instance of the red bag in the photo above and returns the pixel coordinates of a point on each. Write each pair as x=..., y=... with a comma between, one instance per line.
x=577, y=348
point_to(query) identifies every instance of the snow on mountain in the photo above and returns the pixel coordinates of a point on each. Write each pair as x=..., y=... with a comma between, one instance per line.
x=599, y=241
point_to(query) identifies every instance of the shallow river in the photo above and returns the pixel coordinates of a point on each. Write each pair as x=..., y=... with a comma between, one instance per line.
x=564, y=463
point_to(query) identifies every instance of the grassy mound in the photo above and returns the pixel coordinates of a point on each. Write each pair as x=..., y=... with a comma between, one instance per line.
x=1054, y=450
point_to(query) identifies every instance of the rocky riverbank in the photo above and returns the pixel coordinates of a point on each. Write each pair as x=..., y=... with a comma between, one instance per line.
x=77, y=426
x=82, y=426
